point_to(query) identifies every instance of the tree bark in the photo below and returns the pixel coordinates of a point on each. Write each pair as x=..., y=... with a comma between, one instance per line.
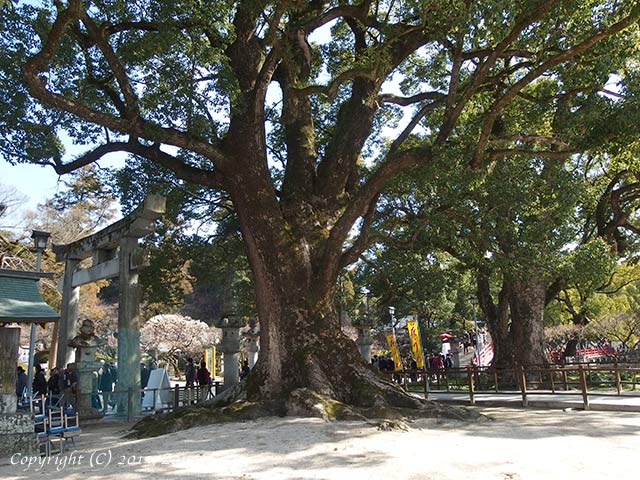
x=498, y=320
x=527, y=302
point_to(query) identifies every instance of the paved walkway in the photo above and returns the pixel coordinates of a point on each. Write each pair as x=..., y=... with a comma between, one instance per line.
x=623, y=403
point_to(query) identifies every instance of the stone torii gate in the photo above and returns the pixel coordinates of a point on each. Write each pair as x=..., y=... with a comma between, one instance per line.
x=115, y=253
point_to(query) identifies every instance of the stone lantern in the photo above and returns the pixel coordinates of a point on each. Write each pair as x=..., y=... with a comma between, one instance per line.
x=230, y=323
x=363, y=324
x=86, y=344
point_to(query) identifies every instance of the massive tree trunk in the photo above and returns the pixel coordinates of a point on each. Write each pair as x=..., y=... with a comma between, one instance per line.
x=302, y=344
x=498, y=320
x=527, y=301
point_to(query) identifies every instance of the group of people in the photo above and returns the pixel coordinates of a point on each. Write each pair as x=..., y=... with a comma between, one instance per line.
x=106, y=382
x=60, y=381
x=382, y=363
x=201, y=374
x=436, y=361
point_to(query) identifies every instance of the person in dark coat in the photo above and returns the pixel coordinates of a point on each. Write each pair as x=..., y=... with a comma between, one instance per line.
x=204, y=380
x=245, y=370
x=53, y=385
x=39, y=385
x=204, y=377
x=105, y=385
x=21, y=382
x=190, y=372
x=144, y=375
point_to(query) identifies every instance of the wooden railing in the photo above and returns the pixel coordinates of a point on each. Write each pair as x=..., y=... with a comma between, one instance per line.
x=580, y=380
x=157, y=399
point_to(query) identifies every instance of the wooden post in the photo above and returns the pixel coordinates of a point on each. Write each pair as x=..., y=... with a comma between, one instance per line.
x=616, y=370
x=495, y=380
x=472, y=400
x=541, y=376
x=523, y=386
x=176, y=396
x=583, y=385
x=425, y=379
x=564, y=379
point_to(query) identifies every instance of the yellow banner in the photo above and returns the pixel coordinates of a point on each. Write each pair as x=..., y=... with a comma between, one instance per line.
x=210, y=360
x=395, y=353
x=416, y=345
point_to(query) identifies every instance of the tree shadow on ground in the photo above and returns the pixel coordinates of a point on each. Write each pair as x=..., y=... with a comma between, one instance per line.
x=293, y=447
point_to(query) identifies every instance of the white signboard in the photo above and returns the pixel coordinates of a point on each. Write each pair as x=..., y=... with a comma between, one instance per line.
x=158, y=390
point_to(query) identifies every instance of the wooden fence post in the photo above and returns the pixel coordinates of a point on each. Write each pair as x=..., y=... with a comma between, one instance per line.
x=425, y=379
x=176, y=396
x=472, y=400
x=583, y=385
x=617, y=374
x=523, y=386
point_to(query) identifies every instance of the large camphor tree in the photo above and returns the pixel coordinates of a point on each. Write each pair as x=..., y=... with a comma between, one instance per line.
x=302, y=112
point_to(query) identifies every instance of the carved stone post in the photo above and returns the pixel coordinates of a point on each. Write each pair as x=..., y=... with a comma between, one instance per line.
x=9, y=341
x=16, y=429
x=252, y=337
x=363, y=325
x=86, y=344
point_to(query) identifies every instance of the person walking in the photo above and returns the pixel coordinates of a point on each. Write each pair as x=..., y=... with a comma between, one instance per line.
x=21, y=382
x=204, y=380
x=105, y=386
x=190, y=372
x=39, y=384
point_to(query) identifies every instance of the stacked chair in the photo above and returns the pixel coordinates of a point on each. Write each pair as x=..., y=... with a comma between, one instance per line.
x=54, y=425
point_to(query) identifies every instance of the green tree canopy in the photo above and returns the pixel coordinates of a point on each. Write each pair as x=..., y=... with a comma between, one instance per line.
x=285, y=106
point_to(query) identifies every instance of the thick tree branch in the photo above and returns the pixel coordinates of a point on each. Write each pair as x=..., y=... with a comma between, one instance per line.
x=362, y=242
x=360, y=202
x=522, y=138
x=412, y=124
x=130, y=98
x=479, y=76
x=34, y=71
x=552, y=154
x=331, y=90
x=562, y=57
x=404, y=101
x=207, y=178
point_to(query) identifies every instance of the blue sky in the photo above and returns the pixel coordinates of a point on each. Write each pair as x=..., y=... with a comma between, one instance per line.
x=35, y=182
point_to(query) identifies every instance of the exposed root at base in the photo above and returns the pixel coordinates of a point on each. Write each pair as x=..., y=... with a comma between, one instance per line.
x=301, y=402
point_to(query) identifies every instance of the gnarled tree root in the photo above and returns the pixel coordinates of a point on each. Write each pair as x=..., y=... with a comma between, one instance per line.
x=232, y=406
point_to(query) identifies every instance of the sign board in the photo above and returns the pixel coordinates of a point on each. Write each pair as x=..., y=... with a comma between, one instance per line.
x=158, y=391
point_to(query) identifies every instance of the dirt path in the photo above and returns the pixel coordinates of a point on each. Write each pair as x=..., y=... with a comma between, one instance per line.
x=517, y=444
